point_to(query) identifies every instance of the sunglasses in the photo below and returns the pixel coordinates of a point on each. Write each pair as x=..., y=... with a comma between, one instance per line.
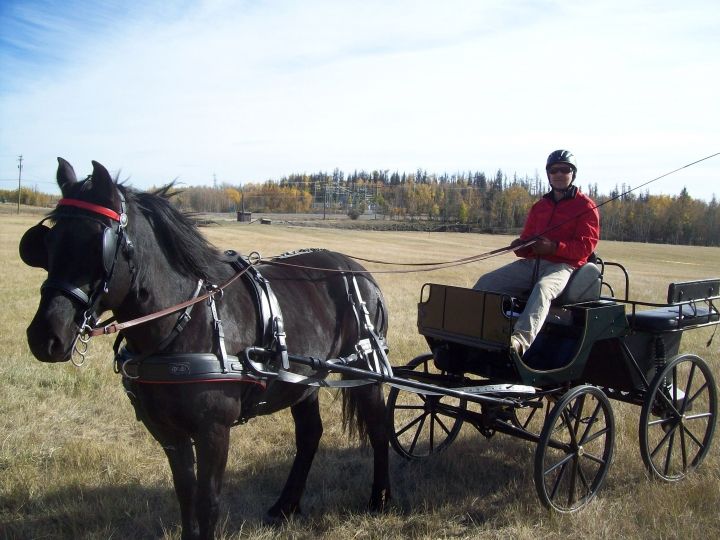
x=563, y=170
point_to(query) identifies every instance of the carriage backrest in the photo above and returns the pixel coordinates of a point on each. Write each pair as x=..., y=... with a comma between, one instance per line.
x=693, y=290
x=583, y=286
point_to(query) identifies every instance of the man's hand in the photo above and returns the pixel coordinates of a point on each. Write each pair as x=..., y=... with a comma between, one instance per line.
x=544, y=246
x=521, y=252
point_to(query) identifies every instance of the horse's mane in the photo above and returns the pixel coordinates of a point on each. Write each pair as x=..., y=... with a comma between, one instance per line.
x=177, y=234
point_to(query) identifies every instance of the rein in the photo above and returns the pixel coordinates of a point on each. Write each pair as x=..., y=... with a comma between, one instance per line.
x=436, y=265
x=113, y=328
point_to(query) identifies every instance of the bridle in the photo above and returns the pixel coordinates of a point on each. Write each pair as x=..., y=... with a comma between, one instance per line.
x=114, y=238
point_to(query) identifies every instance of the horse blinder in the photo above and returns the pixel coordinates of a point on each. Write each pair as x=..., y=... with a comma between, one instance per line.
x=32, y=246
x=109, y=249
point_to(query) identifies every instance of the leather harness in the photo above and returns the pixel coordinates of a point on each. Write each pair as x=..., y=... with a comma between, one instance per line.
x=173, y=368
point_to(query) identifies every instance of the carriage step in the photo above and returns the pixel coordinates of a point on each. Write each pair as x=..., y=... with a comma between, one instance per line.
x=498, y=389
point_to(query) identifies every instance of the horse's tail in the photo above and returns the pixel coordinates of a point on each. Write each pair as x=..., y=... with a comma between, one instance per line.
x=363, y=411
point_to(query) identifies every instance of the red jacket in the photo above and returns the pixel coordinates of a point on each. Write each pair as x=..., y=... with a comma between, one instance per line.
x=573, y=222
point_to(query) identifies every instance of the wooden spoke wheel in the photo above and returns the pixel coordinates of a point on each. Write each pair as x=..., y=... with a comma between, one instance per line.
x=575, y=449
x=678, y=418
x=423, y=424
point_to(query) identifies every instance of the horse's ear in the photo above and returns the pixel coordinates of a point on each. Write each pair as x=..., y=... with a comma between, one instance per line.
x=65, y=174
x=101, y=181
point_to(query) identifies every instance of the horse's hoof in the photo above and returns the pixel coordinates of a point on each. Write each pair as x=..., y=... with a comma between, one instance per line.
x=273, y=521
x=380, y=502
x=191, y=534
x=277, y=516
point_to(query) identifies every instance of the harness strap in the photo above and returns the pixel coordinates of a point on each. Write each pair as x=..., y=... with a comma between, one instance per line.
x=261, y=370
x=372, y=348
x=182, y=321
x=66, y=287
x=180, y=325
x=270, y=322
x=220, y=334
x=371, y=351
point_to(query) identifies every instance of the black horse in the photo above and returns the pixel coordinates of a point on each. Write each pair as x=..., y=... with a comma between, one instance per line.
x=117, y=249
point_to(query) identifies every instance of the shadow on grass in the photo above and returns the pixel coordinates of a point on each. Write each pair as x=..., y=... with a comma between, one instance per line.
x=471, y=479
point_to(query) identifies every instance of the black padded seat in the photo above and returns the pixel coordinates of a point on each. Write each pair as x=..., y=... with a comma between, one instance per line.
x=668, y=318
x=583, y=286
x=689, y=303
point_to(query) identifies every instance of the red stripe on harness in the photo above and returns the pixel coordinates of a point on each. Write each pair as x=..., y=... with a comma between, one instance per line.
x=112, y=214
x=236, y=380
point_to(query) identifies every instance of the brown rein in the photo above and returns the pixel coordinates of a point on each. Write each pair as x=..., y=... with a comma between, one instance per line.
x=113, y=328
x=435, y=266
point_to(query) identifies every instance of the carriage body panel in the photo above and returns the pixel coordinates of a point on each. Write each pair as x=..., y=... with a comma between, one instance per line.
x=470, y=332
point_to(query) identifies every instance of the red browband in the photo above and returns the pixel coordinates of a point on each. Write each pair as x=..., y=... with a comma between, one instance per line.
x=112, y=214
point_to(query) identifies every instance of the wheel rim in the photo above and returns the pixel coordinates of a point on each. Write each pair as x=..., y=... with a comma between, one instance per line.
x=678, y=418
x=575, y=450
x=421, y=424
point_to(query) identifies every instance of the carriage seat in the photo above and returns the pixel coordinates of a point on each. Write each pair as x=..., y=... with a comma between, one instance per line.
x=583, y=286
x=690, y=303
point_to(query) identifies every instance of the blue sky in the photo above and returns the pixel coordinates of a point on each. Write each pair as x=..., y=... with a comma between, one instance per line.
x=243, y=91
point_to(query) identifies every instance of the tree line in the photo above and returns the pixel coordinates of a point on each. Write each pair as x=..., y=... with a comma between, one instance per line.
x=479, y=202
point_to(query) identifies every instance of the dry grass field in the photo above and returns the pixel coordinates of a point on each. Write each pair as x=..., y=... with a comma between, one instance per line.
x=74, y=462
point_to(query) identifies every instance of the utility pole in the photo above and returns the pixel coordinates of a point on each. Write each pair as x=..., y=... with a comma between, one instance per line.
x=20, y=160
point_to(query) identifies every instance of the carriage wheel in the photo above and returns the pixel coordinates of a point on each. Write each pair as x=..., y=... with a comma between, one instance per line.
x=422, y=424
x=575, y=449
x=678, y=418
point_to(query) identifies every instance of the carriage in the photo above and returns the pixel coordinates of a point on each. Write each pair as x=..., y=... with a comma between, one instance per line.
x=592, y=348
x=251, y=349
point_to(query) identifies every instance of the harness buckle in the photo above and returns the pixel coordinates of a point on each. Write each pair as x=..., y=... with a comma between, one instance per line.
x=280, y=343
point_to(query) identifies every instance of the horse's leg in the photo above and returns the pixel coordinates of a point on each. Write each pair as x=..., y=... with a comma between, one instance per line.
x=371, y=413
x=308, y=430
x=211, y=446
x=179, y=451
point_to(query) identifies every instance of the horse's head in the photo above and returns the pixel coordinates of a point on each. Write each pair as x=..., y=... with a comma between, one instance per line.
x=80, y=253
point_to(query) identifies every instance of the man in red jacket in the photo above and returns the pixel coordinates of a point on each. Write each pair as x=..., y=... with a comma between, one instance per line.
x=565, y=225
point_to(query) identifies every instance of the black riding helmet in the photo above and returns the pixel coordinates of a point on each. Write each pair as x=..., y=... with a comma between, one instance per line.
x=562, y=156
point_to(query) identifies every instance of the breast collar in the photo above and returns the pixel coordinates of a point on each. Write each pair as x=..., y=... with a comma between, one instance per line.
x=160, y=367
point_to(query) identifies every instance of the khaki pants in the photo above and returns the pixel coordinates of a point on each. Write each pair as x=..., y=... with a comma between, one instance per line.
x=516, y=279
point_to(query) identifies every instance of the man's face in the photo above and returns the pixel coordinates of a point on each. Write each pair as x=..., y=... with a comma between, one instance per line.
x=560, y=176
